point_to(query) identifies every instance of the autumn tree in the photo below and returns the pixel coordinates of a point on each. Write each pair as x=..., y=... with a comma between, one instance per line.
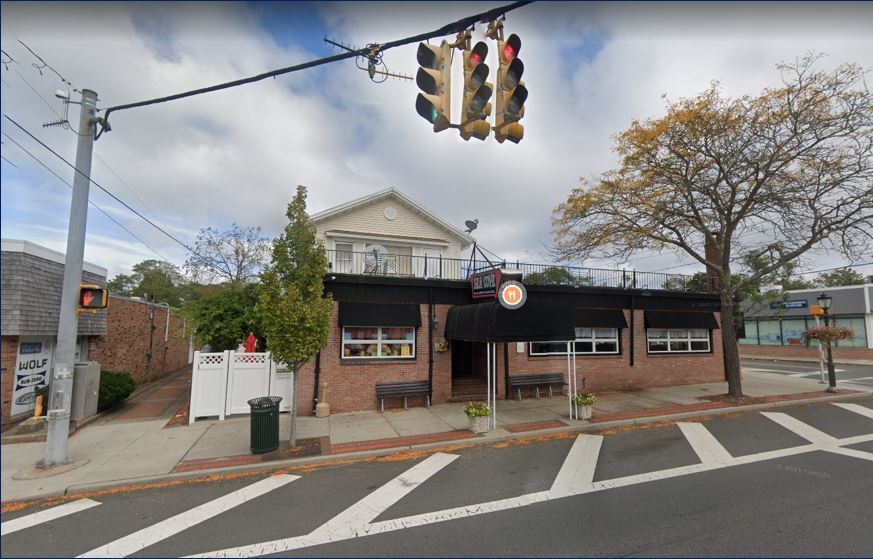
x=792, y=166
x=235, y=256
x=294, y=311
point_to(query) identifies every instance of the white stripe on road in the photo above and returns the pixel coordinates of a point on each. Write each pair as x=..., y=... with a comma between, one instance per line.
x=854, y=453
x=162, y=530
x=708, y=449
x=36, y=518
x=857, y=408
x=354, y=519
x=577, y=471
x=798, y=427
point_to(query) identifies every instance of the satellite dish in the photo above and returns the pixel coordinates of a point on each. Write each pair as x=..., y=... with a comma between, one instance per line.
x=471, y=225
x=376, y=258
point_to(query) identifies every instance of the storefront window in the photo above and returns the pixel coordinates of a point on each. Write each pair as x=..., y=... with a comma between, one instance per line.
x=677, y=340
x=792, y=331
x=751, y=333
x=769, y=332
x=859, y=332
x=588, y=341
x=361, y=342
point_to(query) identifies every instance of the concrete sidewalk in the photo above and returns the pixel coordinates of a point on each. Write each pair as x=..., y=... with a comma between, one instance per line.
x=124, y=449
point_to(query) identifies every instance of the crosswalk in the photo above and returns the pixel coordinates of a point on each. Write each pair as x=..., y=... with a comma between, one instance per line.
x=576, y=476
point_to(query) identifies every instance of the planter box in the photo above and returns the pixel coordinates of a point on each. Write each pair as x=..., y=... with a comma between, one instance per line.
x=585, y=411
x=479, y=424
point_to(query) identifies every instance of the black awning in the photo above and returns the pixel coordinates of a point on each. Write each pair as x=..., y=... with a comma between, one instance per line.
x=489, y=322
x=378, y=314
x=677, y=319
x=599, y=318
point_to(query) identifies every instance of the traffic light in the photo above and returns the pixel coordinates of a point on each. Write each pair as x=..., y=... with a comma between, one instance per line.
x=511, y=92
x=92, y=297
x=434, y=79
x=477, y=93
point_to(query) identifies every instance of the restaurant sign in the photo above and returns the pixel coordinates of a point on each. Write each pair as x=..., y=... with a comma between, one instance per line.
x=485, y=284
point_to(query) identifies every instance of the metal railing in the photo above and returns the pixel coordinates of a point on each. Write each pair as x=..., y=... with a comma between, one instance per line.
x=439, y=267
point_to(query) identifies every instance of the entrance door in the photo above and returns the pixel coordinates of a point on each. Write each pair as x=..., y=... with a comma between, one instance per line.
x=468, y=370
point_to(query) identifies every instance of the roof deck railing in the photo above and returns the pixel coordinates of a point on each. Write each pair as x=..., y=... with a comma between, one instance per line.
x=439, y=267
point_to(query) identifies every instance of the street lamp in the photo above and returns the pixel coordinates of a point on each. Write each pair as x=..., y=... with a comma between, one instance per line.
x=824, y=301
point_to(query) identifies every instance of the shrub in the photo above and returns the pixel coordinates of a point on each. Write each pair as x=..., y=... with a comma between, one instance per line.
x=114, y=388
x=477, y=409
x=827, y=334
x=584, y=399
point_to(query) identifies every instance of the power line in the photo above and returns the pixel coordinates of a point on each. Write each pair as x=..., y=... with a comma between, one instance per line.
x=113, y=196
x=45, y=64
x=47, y=168
x=455, y=27
x=860, y=265
x=7, y=161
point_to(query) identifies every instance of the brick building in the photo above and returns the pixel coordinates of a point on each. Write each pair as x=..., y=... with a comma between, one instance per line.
x=146, y=340
x=400, y=294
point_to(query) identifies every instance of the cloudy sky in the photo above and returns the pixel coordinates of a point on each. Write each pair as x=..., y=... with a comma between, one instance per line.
x=237, y=155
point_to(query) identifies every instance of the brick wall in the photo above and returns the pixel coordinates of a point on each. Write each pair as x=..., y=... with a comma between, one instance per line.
x=8, y=353
x=131, y=332
x=787, y=352
x=351, y=385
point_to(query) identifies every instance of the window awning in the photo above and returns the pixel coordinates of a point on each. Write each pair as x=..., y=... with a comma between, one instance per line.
x=599, y=318
x=489, y=322
x=678, y=319
x=379, y=314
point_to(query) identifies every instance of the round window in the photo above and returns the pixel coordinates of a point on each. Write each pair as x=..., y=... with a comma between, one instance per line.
x=390, y=213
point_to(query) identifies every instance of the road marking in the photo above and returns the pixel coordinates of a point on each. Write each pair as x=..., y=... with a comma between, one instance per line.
x=570, y=487
x=857, y=408
x=577, y=471
x=854, y=453
x=357, y=517
x=162, y=530
x=36, y=518
x=707, y=447
x=798, y=427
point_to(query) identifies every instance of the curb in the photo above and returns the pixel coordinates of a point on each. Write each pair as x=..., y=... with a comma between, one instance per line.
x=267, y=467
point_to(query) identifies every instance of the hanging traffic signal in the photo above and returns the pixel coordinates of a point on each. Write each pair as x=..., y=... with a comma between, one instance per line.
x=511, y=91
x=92, y=297
x=434, y=79
x=477, y=93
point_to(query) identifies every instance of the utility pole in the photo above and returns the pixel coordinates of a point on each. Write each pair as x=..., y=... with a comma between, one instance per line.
x=61, y=396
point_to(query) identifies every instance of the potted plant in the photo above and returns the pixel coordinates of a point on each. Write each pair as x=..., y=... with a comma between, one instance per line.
x=585, y=401
x=479, y=415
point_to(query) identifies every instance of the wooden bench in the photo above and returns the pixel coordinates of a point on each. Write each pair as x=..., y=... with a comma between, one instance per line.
x=548, y=379
x=402, y=390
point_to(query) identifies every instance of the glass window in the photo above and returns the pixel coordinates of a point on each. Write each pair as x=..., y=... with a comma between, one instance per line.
x=769, y=332
x=343, y=258
x=751, y=333
x=379, y=343
x=859, y=332
x=677, y=340
x=792, y=331
x=588, y=341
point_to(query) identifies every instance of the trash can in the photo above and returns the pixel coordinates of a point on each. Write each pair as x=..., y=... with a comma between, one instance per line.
x=264, y=423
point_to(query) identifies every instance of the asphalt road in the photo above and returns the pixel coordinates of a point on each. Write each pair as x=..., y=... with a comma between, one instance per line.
x=794, y=482
x=851, y=374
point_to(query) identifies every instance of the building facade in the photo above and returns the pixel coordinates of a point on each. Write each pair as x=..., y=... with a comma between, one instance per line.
x=401, y=293
x=775, y=328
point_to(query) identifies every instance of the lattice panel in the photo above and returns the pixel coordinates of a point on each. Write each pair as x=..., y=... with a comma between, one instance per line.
x=211, y=359
x=250, y=358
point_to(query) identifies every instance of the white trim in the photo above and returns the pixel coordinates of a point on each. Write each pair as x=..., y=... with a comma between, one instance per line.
x=39, y=251
x=688, y=339
x=593, y=339
x=337, y=235
x=825, y=289
x=404, y=198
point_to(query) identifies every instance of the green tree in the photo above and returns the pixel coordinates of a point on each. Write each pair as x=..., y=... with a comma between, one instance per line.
x=294, y=309
x=551, y=276
x=839, y=278
x=156, y=280
x=695, y=283
x=793, y=165
x=225, y=316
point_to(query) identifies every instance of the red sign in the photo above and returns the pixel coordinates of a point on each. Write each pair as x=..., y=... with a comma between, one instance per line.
x=485, y=284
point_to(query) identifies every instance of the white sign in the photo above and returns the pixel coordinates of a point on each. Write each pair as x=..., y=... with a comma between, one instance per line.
x=32, y=369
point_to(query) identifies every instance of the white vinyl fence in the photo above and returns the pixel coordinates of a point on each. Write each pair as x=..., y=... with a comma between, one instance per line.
x=223, y=383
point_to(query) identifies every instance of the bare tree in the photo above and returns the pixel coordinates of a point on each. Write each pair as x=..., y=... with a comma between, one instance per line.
x=790, y=168
x=236, y=255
